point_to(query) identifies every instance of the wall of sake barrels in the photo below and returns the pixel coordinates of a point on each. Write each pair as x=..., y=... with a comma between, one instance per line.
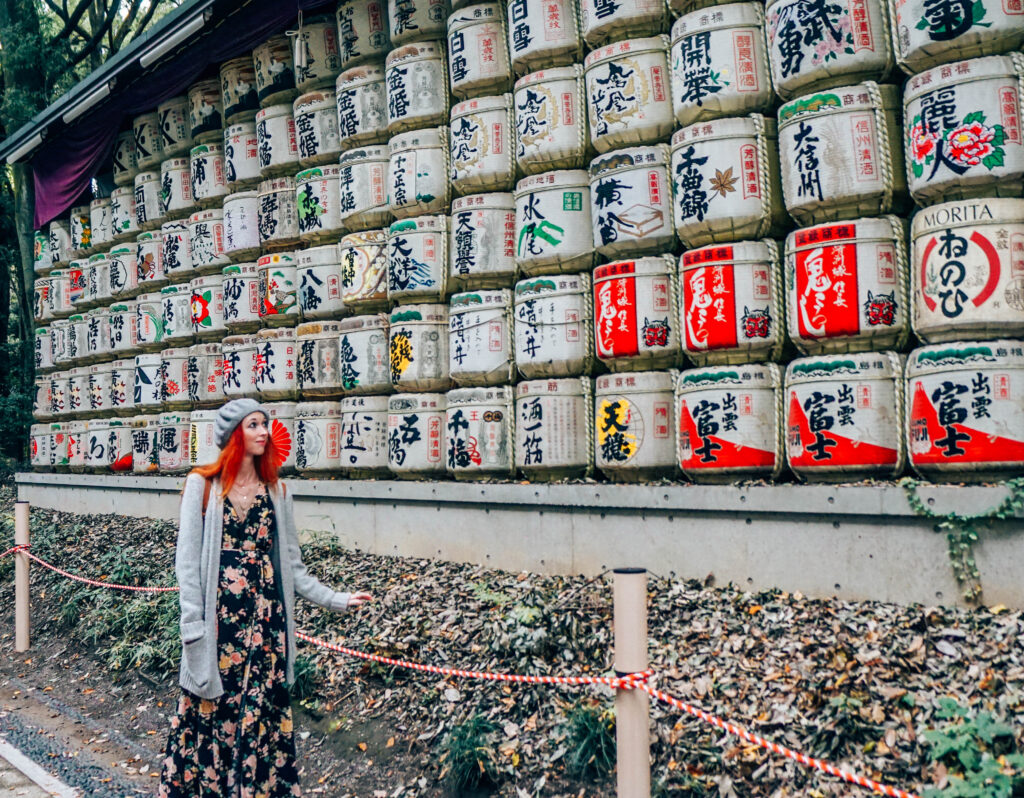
x=555, y=240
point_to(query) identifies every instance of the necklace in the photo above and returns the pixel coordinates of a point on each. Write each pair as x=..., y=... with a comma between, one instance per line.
x=244, y=492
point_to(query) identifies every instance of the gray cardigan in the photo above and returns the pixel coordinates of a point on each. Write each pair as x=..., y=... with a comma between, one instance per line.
x=197, y=566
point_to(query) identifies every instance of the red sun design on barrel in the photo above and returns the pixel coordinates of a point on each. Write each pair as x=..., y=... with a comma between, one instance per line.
x=282, y=441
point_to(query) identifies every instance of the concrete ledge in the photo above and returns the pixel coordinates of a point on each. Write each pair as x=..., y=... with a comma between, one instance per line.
x=857, y=542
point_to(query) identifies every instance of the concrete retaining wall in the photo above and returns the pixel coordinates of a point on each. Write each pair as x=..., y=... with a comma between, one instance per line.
x=862, y=542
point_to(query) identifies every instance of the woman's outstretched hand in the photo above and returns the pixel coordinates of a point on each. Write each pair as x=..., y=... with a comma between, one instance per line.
x=359, y=599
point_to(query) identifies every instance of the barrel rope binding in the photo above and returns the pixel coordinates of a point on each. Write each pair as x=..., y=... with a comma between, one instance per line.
x=666, y=167
x=762, y=40
x=508, y=398
x=764, y=225
x=884, y=148
x=589, y=323
x=579, y=158
x=776, y=374
x=789, y=276
x=899, y=57
x=1018, y=66
x=903, y=276
x=901, y=403
x=590, y=419
x=512, y=139
x=888, y=34
x=777, y=296
x=674, y=312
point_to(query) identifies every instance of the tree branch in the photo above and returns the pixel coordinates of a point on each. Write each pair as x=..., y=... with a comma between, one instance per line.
x=97, y=36
x=71, y=21
x=126, y=26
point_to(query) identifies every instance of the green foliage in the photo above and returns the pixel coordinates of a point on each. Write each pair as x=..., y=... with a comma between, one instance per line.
x=307, y=678
x=590, y=740
x=468, y=754
x=978, y=753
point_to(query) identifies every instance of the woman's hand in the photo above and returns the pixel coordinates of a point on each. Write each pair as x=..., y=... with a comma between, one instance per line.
x=359, y=599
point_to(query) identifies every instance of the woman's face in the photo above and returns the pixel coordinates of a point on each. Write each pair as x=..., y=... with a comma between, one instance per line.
x=256, y=433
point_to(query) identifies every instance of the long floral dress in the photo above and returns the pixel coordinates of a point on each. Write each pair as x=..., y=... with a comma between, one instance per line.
x=241, y=744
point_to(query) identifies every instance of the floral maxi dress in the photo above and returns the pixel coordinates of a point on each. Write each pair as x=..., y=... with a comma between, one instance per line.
x=241, y=744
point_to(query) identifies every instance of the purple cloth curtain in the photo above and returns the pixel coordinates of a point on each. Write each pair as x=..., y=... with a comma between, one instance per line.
x=64, y=166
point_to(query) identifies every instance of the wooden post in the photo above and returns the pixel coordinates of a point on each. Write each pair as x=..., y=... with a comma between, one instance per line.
x=21, y=596
x=632, y=707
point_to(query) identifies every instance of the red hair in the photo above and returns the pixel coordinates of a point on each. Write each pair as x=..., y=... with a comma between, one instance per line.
x=226, y=466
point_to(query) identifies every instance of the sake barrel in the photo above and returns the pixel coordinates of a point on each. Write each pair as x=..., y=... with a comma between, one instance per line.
x=275, y=373
x=119, y=446
x=732, y=303
x=58, y=446
x=100, y=222
x=480, y=432
x=363, y=188
x=719, y=63
x=603, y=21
x=543, y=34
x=928, y=34
x=362, y=31
x=417, y=87
x=59, y=336
x=317, y=437
x=175, y=126
x=177, y=314
x=317, y=201
x=176, y=188
x=149, y=321
x=77, y=436
x=176, y=251
x=241, y=225
x=149, y=141
x=39, y=447
x=554, y=429
x=551, y=121
x=416, y=19
x=847, y=286
x=205, y=371
x=819, y=133
x=99, y=278
x=41, y=309
x=362, y=106
x=418, y=259
x=147, y=387
x=317, y=60
x=98, y=334
x=205, y=111
x=41, y=263
x=43, y=350
x=241, y=156
x=122, y=386
x=316, y=359
x=964, y=420
x=482, y=243
x=124, y=271
x=478, y=61
x=81, y=231
x=480, y=348
x=364, y=436
x=635, y=321
x=149, y=261
x=209, y=182
x=418, y=348
x=145, y=444
x=481, y=145
x=58, y=297
x=98, y=400
x=629, y=98
x=730, y=422
x=123, y=328
x=238, y=372
x=834, y=45
x=241, y=298
x=122, y=160
x=81, y=285
x=58, y=394
x=97, y=458
x=275, y=71
x=316, y=128
x=633, y=440
x=206, y=241
x=964, y=136
x=174, y=378
x=208, y=307
x=553, y=230
x=631, y=202
x=725, y=178
x=277, y=145
x=968, y=270
x=278, y=305
x=60, y=242
x=282, y=433
x=319, y=275
x=843, y=416
x=149, y=209
x=202, y=445
x=363, y=359
x=277, y=213
x=364, y=271
x=418, y=173
x=77, y=338
x=238, y=89
x=174, y=442
x=416, y=431
x=123, y=224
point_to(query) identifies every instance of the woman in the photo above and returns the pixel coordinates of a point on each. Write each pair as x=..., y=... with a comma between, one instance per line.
x=238, y=566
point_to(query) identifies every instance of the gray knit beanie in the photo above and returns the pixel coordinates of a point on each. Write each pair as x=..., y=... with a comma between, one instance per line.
x=230, y=416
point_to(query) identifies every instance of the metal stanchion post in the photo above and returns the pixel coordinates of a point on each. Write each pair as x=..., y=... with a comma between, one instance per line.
x=21, y=597
x=632, y=708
